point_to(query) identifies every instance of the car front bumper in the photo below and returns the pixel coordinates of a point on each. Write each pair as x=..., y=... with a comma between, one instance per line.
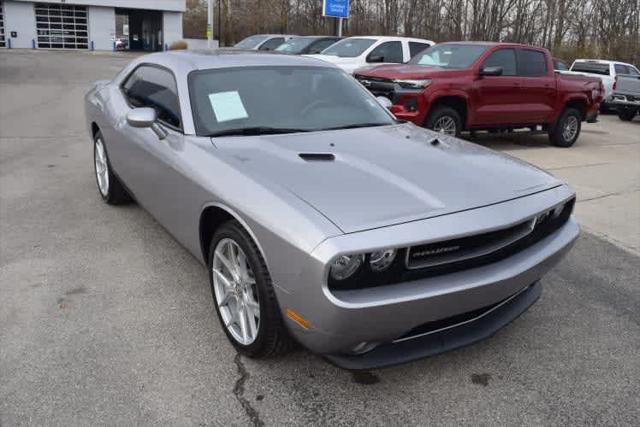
x=342, y=322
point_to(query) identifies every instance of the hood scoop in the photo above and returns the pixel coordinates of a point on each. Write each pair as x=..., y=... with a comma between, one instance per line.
x=317, y=157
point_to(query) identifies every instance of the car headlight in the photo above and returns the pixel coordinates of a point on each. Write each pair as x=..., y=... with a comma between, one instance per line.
x=381, y=260
x=345, y=266
x=413, y=84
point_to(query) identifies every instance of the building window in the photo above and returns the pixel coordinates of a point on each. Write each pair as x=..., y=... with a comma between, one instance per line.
x=62, y=26
x=3, y=40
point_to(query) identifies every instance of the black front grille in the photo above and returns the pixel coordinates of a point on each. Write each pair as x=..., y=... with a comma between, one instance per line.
x=403, y=271
x=378, y=86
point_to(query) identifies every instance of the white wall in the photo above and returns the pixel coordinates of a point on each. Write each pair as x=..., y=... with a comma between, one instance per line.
x=196, y=44
x=20, y=17
x=171, y=27
x=102, y=27
x=174, y=5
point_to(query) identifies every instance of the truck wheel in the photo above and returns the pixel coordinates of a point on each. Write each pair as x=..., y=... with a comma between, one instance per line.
x=626, y=114
x=445, y=120
x=566, y=130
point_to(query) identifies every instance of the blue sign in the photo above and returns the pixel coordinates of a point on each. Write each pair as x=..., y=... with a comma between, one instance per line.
x=335, y=8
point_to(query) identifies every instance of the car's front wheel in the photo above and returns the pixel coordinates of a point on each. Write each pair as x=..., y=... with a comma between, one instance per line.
x=445, y=120
x=243, y=294
x=626, y=114
x=109, y=186
x=566, y=130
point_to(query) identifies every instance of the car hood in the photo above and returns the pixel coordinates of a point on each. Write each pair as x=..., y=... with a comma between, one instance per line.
x=408, y=71
x=347, y=64
x=381, y=176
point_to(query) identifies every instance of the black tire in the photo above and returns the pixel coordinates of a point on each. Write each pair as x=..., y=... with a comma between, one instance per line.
x=556, y=132
x=115, y=193
x=272, y=337
x=626, y=114
x=443, y=112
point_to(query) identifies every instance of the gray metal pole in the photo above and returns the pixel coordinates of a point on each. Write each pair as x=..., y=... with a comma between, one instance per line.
x=339, y=27
x=210, y=24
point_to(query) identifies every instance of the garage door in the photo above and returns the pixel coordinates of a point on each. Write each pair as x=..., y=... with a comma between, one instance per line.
x=3, y=40
x=61, y=26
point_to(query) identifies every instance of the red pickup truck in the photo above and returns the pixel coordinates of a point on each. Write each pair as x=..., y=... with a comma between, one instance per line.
x=452, y=87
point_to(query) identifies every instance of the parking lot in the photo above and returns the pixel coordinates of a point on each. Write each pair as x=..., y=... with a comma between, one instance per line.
x=105, y=319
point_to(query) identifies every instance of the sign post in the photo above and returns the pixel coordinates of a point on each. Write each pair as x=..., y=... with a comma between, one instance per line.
x=336, y=9
x=210, y=24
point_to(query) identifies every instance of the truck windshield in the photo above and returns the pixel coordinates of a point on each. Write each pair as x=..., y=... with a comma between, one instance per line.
x=280, y=99
x=349, y=48
x=457, y=56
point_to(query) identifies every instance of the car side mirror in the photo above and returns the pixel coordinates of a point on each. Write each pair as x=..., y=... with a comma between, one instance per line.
x=376, y=58
x=491, y=71
x=142, y=117
x=146, y=117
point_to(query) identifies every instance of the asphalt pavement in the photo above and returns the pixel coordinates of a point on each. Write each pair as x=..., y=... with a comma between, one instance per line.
x=105, y=319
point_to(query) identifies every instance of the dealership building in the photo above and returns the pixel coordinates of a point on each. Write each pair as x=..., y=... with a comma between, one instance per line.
x=149, y=25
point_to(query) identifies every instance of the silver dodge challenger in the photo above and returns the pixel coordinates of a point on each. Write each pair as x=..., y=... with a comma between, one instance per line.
x=321, y=219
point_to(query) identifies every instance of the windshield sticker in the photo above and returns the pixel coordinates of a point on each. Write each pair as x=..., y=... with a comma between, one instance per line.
x=227, y=106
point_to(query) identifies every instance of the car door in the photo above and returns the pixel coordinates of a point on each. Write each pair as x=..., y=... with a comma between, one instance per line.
x=497, y=98
x=151, y=162
x=538, y=86
x=390, y=52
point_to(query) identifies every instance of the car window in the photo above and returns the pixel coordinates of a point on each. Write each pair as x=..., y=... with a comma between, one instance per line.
x=505, y=58
x=294, y=45
x=591, y=67
x=271, y=44
x=531, y=63
x=633, y=71
x=415, y=48
x=321, y=45
x=455, y=56
x=349, y=48
x=154, y=87
x=250, y=42
x=620, y=69
x=309, y=98
x=387, y=52
x=559, y=65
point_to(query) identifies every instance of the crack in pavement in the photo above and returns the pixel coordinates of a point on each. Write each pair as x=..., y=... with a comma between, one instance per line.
x=238, y=391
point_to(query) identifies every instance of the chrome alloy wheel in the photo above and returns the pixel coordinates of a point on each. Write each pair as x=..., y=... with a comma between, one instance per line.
x=570, y=128
x=102, y=169
x=445, y=125
x=235, y=291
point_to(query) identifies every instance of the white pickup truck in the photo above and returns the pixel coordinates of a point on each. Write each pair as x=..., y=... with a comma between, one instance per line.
x=606, y=71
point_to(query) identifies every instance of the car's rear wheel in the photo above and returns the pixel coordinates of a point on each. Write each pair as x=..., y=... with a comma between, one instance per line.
x=243, y=294
x=109, y=186
x=626, y=114
x=445, y=120
x=566, y=130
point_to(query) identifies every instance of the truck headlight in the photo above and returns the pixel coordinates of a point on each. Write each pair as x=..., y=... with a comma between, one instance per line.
x=413, y=84
x=345, y=266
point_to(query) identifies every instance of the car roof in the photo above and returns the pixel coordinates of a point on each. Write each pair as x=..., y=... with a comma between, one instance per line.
x=190, y=60
x=602, y=61
x=392, y=38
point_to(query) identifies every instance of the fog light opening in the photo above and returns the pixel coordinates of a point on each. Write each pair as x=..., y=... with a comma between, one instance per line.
x=364, y=347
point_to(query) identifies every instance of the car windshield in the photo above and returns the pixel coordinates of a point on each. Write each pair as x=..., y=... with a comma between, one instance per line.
x=457, y=56
x=349, y=48
x=280, y=99
x=295, y=45
x=250, y=42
